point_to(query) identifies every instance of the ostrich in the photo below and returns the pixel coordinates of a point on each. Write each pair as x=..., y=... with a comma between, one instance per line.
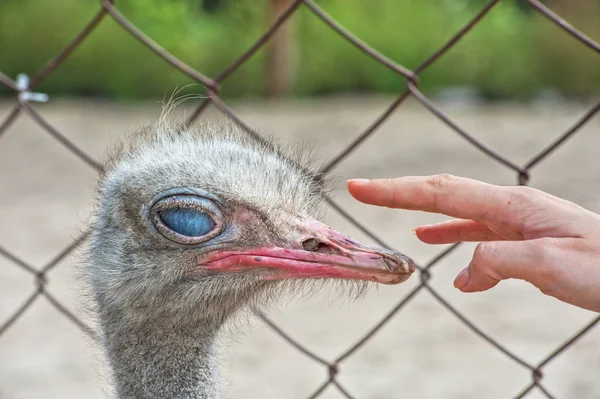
x=191, y=227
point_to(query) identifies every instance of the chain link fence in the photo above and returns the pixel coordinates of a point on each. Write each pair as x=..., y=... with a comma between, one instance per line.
x=24, y=92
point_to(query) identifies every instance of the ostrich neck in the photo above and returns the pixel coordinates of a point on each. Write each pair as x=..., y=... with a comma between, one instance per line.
x=160, y=359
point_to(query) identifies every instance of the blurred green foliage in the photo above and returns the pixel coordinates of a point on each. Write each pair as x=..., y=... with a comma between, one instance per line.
x=512, y=53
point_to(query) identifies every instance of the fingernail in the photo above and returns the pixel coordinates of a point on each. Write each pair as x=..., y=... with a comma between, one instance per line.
x=462, y=279
x=425, y=226
x=421, y=228
x=359, y=181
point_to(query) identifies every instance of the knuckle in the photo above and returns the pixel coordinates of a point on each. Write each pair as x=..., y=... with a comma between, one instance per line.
x=440, y=181
x=521, y=194
x=484, y=251
x=483, y=261
x=389, y=182
x=393, y=185
x=524, y=202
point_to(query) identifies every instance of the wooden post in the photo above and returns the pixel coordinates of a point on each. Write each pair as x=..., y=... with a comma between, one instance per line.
x=279, y=50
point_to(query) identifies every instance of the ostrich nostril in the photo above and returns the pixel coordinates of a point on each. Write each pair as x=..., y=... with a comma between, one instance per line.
x=310, y=245
x=314, y=245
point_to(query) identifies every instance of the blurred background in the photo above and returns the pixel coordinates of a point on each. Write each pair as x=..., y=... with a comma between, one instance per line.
x=514, y=53
x=516, y=83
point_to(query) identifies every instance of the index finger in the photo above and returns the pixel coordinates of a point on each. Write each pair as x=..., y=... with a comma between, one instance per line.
x=458, y=197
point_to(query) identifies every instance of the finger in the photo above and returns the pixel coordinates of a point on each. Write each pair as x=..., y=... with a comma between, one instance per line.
x=495, y=261
x=453, y=196
x=453, y=231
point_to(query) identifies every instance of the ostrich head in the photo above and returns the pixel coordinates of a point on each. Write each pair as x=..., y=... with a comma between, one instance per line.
x=208, y=220
x=193, y=225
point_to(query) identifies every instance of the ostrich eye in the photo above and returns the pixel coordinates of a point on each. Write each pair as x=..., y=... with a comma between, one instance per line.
x=187, y=222
x=186, y=218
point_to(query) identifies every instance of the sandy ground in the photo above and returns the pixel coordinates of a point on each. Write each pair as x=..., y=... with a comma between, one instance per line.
x=423, y=352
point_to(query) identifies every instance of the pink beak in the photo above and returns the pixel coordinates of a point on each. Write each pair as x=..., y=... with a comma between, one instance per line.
x=326, y=253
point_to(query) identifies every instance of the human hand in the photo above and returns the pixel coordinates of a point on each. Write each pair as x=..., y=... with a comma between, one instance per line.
x=525, y=233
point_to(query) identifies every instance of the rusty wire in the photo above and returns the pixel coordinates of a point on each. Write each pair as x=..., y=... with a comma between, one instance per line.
x=109, y=10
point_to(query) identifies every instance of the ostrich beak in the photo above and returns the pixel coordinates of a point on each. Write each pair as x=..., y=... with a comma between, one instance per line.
x=318, y=252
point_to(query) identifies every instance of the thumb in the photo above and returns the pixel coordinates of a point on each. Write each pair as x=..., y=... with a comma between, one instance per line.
x=494, y=261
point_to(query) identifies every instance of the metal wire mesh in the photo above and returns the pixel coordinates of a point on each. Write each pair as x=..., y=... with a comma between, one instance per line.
x=24, y=95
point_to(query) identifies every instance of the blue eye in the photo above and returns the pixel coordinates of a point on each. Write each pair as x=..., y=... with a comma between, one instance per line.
x=187, y=222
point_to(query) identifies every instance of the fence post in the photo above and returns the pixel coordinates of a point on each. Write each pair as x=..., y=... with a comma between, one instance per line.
x=279, y=52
